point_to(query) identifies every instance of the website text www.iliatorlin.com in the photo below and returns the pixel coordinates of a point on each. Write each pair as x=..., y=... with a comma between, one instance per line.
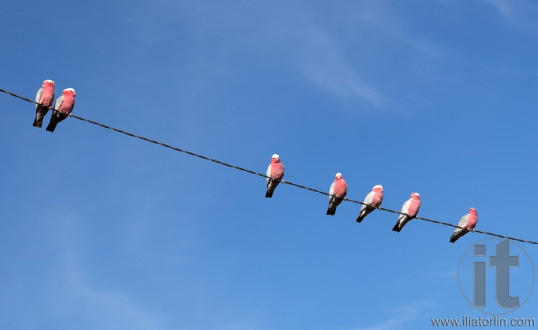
x=468, y=321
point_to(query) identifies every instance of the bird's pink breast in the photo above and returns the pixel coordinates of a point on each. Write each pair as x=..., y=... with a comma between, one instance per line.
x=277, y=170
x=471, y=223
x=47, y=96
x=67, y=104
x=378, y=198
x=340, y=188
x=413, y=208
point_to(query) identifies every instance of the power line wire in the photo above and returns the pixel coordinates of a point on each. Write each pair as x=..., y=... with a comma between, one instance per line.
x=256, y=173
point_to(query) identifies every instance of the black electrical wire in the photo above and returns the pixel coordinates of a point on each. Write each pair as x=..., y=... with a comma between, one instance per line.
x=256, y=173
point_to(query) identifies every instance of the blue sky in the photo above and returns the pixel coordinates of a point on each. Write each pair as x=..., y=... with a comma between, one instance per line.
x=101, y=231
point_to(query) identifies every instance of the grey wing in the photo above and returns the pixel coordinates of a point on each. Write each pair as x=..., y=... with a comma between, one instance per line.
x=405, y=206
x=368, y=200
x=268, y=174
x=462, y=223
x=405, y=209
x=331, y=191
x=369, y=197
x=38, y=96
x=59, y=102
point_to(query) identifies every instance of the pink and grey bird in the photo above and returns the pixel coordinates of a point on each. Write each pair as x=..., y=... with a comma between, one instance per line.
x=466, y=224
x=410, y=208
x=372, y=201
x=45, y=97
x=275, y=173
x=64, y=104
x=337, y=192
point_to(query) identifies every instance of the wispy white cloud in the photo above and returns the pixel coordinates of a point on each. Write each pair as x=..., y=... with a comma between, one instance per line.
x=301, y=39
x=80, y=291
x=504, y=7
x=320, y=59
x=518, y=14
x=106, y=309
x=311, y=48
x=292, y=36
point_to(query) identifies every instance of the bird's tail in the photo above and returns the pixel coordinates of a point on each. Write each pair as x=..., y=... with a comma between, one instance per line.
x=270, y=189
x=365, y=210
x=40, y=112
x=457, y=236
x=52, y=124
x=331, y=210
x=402, y=220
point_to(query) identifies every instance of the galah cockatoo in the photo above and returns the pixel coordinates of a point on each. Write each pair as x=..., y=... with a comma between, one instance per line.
x=337, y=192
x=372, y=201
x=45, y=97
x=64, y=104
x=467, y=224
x=275, y=172
x=410, y=208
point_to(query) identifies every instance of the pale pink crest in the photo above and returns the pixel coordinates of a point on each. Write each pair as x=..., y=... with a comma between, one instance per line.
x=69, y=91
x=49, y=83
